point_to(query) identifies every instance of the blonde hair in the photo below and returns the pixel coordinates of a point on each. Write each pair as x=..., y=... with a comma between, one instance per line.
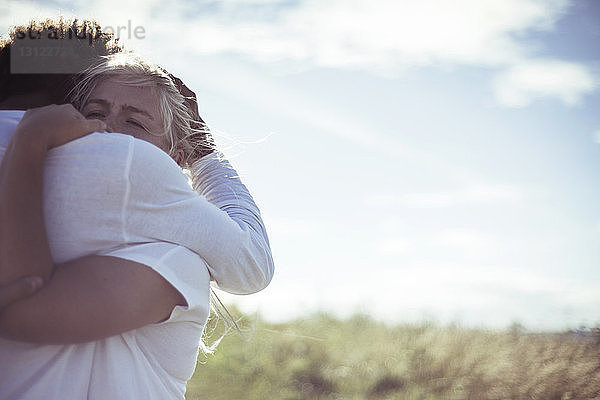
x=182, y=128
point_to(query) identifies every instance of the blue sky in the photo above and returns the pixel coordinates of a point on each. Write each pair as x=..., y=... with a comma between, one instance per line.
x=412, y=159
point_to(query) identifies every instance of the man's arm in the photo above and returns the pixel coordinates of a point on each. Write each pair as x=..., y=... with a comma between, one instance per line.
x=85, y=299
x=24, y=247
x=19, y=289
x=23, y=250
x=89, y=299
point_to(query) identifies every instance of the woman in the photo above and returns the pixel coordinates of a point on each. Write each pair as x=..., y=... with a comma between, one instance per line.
x=119, y=281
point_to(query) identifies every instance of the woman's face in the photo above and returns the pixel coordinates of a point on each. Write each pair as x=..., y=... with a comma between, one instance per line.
x=127, y=109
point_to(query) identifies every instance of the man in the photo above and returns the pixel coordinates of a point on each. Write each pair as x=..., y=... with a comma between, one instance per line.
x=90, y=368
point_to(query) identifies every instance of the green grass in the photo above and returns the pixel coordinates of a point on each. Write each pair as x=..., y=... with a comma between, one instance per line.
x=321, y=357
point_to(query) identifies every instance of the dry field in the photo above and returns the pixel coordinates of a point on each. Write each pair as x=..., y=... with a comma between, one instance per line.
x=320, y=357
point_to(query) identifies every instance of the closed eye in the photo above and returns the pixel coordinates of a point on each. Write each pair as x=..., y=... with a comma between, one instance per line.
x=94, y=115
x=134, y=122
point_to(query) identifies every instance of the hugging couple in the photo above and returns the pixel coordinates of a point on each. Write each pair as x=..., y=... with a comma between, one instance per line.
x=107, y=253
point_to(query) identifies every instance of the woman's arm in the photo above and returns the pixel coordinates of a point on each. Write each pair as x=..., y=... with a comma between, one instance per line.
x=219, y=183
x=215, y=179
x=238, y=255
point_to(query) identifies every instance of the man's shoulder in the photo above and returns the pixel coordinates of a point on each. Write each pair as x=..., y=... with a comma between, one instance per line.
x=12, y=114
x=151, y=163
x=117, y=145
x=99, y=147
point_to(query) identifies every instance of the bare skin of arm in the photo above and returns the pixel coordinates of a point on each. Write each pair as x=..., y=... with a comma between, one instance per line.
x=89, y=299
x=19, y=289
x=23, y=245
x=82, y=300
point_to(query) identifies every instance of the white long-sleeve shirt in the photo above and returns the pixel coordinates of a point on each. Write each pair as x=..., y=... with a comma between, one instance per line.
x=111, y=172
x=111, y=194
x=223, y=225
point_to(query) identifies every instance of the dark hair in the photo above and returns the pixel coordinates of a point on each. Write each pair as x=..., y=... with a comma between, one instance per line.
x=46, y=56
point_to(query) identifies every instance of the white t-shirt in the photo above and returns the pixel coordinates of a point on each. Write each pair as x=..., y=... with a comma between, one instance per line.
x=115, y=195
x=152, y=362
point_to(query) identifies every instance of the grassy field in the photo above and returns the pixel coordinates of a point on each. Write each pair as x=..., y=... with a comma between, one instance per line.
x=320, y=357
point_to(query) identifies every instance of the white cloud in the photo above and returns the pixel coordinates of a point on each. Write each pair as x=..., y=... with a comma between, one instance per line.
x=292, y=227
x=471, y=195
x=492, y=295
x=526, y=81
x=387, y=36
x=468, y=242
x=597, y=136
x=384, y=34
x=392, y=246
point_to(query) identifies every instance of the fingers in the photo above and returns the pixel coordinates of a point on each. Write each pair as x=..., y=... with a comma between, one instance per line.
x=76, y=129
x=190, y=97
x=88, y=125
x=184, y=90
x=95, y=125
x=55, y=125
x=18, y=289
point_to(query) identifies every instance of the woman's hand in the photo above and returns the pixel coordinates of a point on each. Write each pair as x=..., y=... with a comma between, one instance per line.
x=206, y=144
x=55, y=125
